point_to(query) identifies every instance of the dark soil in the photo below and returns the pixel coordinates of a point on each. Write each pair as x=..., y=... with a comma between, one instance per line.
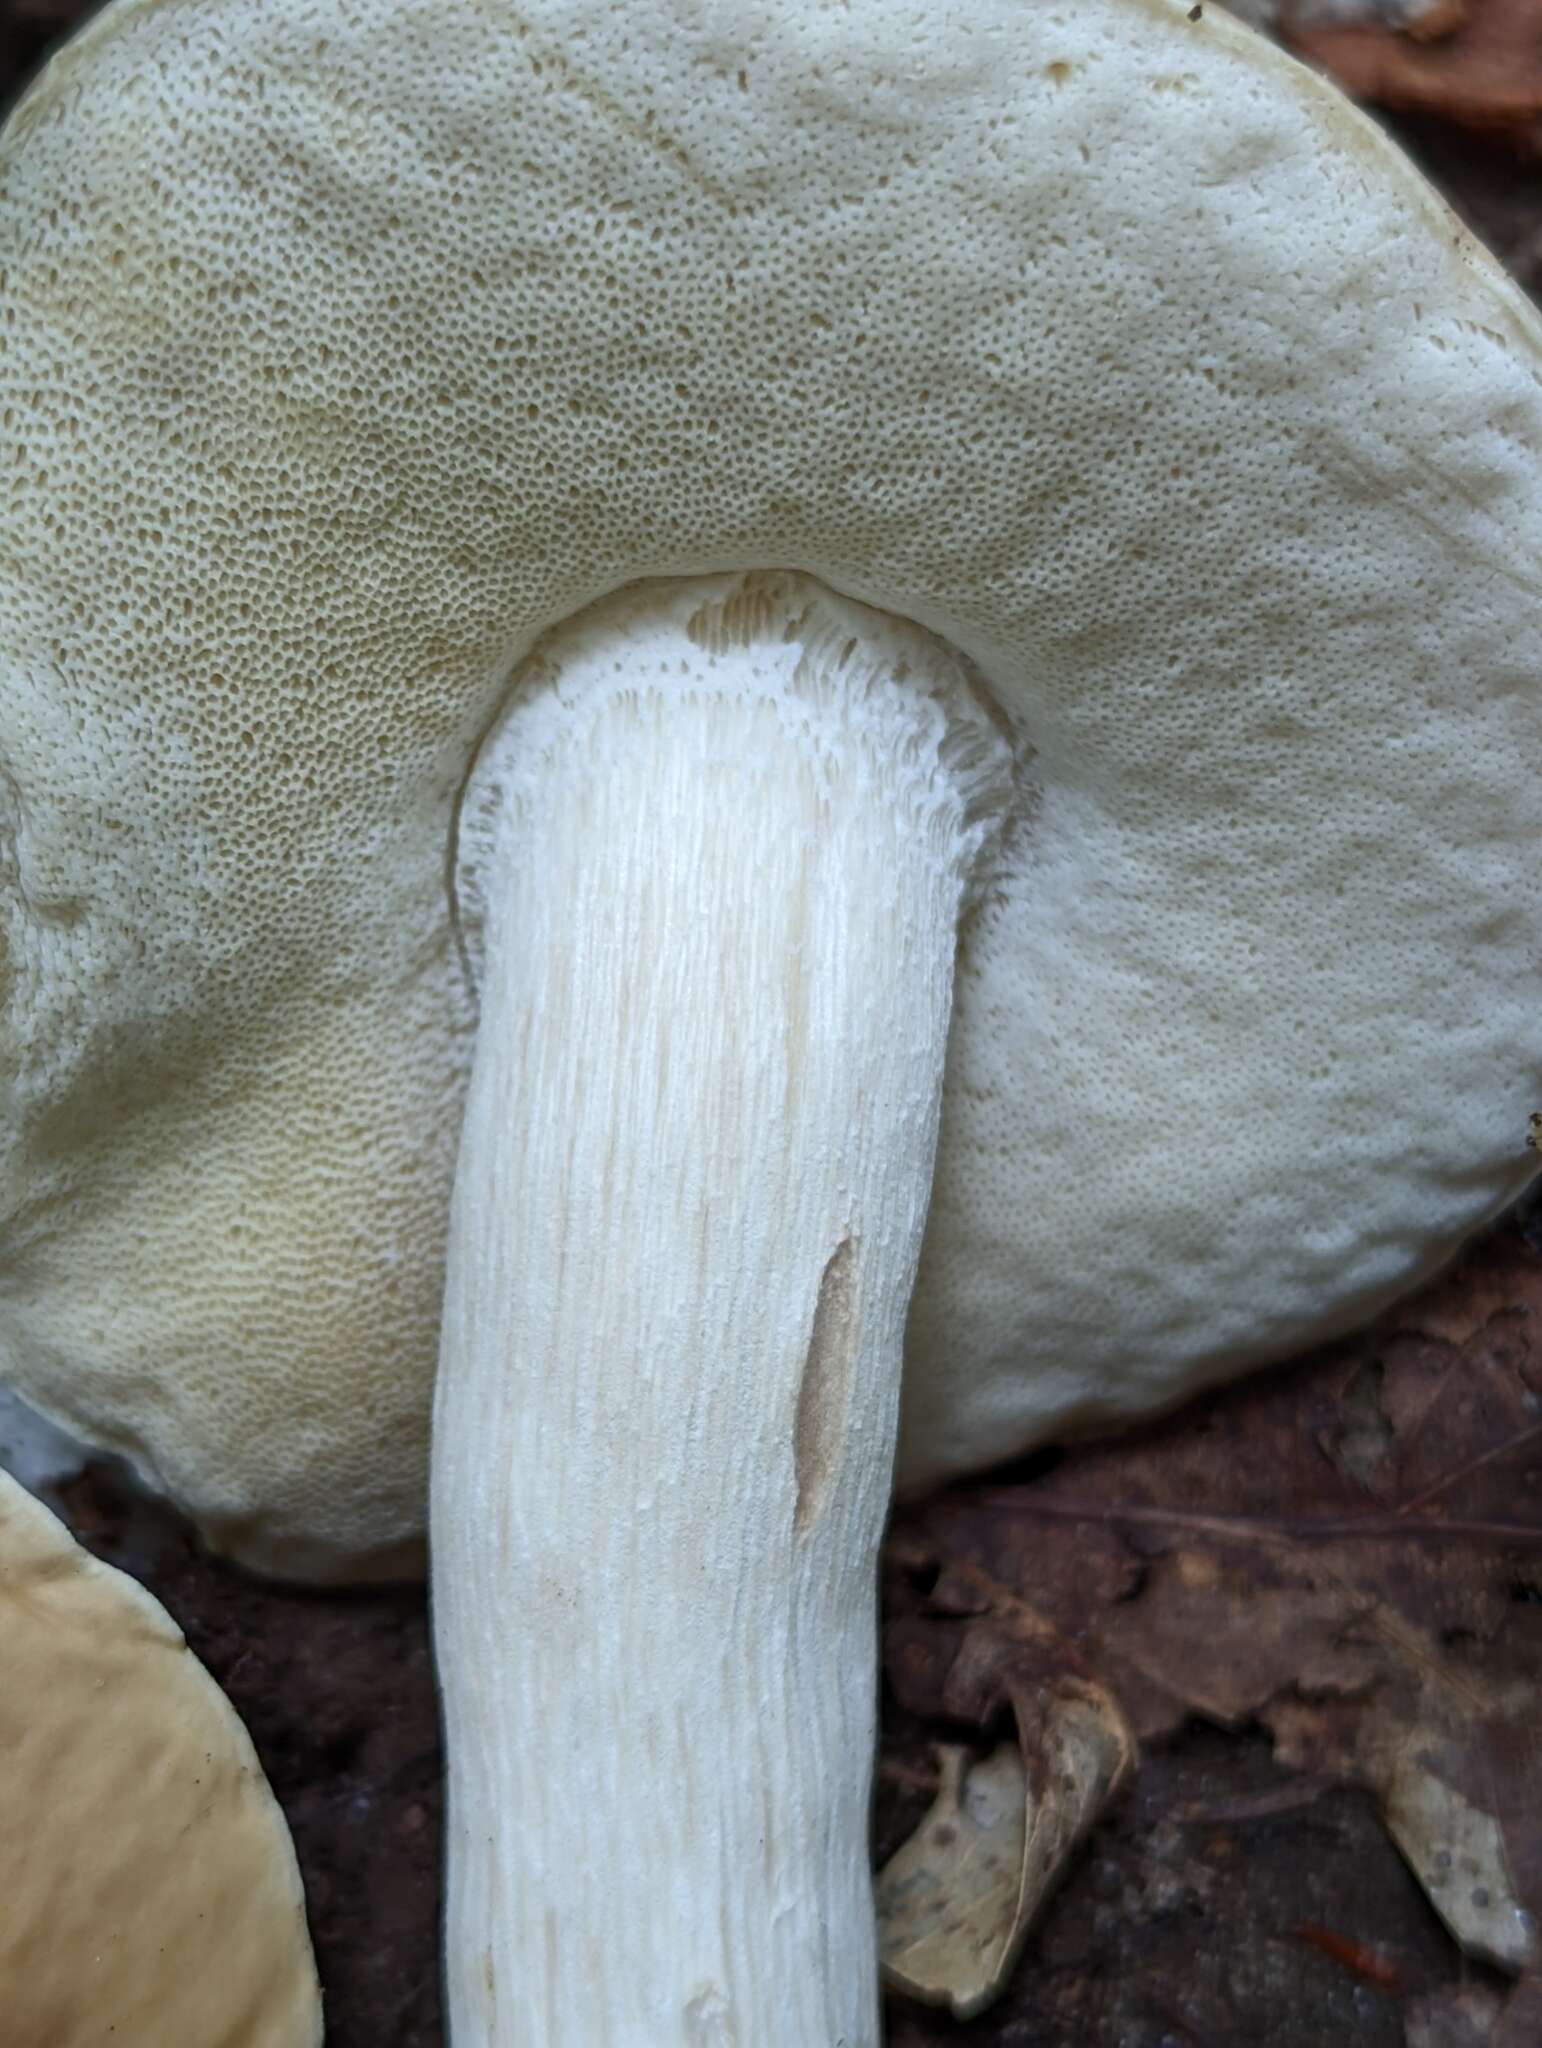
x=1203, y=1914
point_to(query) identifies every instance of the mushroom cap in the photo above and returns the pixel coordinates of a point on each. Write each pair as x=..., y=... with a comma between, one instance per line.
x=346, y=350
x=150, y=1886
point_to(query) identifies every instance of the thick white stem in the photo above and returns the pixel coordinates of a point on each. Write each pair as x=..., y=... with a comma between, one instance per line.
x=723, y=849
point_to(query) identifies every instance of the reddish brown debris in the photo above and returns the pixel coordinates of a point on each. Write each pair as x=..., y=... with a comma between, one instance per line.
x=1474, y=64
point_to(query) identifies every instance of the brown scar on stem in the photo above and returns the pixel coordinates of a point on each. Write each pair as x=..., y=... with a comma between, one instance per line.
x=824, y=1392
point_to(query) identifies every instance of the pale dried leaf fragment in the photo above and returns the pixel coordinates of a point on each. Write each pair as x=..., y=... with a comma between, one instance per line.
x=950, y=1901
x=1457, y=1853
x=956, y=1901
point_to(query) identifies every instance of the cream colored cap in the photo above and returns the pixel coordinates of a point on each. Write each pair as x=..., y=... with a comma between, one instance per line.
x=149, y=1896
x=346, y=349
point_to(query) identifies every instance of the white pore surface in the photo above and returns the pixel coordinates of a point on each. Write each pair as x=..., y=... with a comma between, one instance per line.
x=345, y=348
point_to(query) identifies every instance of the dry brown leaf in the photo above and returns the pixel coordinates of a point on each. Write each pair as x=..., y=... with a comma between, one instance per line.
x=1349, y=1555
x=1478, y=66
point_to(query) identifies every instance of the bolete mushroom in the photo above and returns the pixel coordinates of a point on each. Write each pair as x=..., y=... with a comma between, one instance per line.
x=151, y=1895
x=873, y=618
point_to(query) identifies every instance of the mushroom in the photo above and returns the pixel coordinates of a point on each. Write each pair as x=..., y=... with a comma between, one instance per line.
x=150, y=1886
x=881, y=663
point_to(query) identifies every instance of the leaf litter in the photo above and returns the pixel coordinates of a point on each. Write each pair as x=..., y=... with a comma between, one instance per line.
x=1343, y=1560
